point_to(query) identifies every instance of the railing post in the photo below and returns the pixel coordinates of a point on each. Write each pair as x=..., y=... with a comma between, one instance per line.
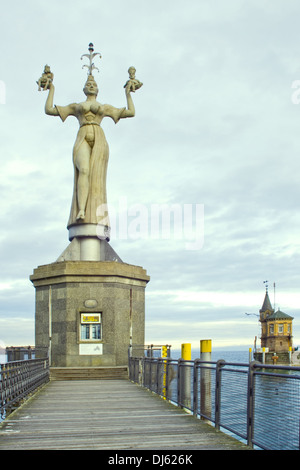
x=205, y=379
x=185, y=376
x=195, y=388
x=150, y=374
x=129, y=365
x=139, y=374
x=220, y=364
x=250, y=403
x=158, y=361
x=144, y=371
x=179, y=382
x=167, y=378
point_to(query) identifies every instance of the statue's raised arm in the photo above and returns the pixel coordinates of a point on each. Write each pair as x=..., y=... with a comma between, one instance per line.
x=49, y=108
x=90, y=152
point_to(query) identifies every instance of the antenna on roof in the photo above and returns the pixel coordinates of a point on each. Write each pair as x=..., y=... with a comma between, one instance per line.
x=274, y=296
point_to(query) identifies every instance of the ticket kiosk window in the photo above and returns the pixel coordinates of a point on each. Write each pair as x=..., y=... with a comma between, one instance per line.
x=90, y=327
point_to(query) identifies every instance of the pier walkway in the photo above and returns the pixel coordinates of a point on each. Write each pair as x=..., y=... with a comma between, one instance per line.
x=106, y=414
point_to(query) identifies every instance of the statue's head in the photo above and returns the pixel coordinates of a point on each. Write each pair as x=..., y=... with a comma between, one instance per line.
x=131, y=72
x=90, y=87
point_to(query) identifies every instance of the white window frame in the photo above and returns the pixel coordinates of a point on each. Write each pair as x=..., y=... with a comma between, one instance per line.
x=89, y=319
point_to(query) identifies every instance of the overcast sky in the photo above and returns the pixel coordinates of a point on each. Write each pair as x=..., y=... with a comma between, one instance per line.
x=217, y=128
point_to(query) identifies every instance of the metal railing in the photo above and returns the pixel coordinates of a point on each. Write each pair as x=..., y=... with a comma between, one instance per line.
x=255, y=402
x=18, y=379
x=149, y=350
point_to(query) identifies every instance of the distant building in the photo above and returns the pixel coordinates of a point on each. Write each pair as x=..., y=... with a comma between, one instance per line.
x=276, y=328
x=276, y=333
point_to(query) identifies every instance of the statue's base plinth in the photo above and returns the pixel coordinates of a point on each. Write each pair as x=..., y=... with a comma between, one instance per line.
x=89, y=312
x=89, y=242
x=89, y=249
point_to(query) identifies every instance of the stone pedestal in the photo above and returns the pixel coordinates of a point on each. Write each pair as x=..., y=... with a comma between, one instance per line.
x=70, y=292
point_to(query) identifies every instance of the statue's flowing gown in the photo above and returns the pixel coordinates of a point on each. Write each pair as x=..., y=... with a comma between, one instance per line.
x=91, y=115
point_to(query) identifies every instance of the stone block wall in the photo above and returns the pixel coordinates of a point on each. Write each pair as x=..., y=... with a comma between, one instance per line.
x=66, y=290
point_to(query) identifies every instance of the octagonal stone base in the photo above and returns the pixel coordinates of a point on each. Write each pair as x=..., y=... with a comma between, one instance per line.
x=65, y=290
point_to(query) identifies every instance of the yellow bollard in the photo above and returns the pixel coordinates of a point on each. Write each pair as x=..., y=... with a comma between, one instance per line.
x=250, y=355
x=205, y=346
x=164, y=353
x=186, y=351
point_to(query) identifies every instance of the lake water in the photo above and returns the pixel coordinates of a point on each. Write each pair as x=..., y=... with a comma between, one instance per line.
x=228, y=356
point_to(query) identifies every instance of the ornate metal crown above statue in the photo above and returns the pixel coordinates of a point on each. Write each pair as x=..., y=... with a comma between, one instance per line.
x=89, y=215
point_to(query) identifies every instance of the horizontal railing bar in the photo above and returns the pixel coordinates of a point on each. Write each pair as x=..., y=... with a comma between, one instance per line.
x=260, y=365
x=224, y=369
x=273, y=374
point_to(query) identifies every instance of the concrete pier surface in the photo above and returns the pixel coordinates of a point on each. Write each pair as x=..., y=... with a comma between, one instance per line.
x=106, y=414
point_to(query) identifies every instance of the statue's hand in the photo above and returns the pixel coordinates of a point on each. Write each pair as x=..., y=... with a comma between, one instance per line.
x=132, y=86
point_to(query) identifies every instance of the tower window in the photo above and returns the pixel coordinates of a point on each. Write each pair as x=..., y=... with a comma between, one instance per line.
x=90, y=327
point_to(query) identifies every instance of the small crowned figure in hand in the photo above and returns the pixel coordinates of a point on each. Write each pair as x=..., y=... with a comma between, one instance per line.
x=132, y=84
x=46, y=78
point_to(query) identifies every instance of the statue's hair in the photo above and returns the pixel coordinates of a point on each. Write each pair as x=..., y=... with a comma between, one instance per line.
x=90, y=79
